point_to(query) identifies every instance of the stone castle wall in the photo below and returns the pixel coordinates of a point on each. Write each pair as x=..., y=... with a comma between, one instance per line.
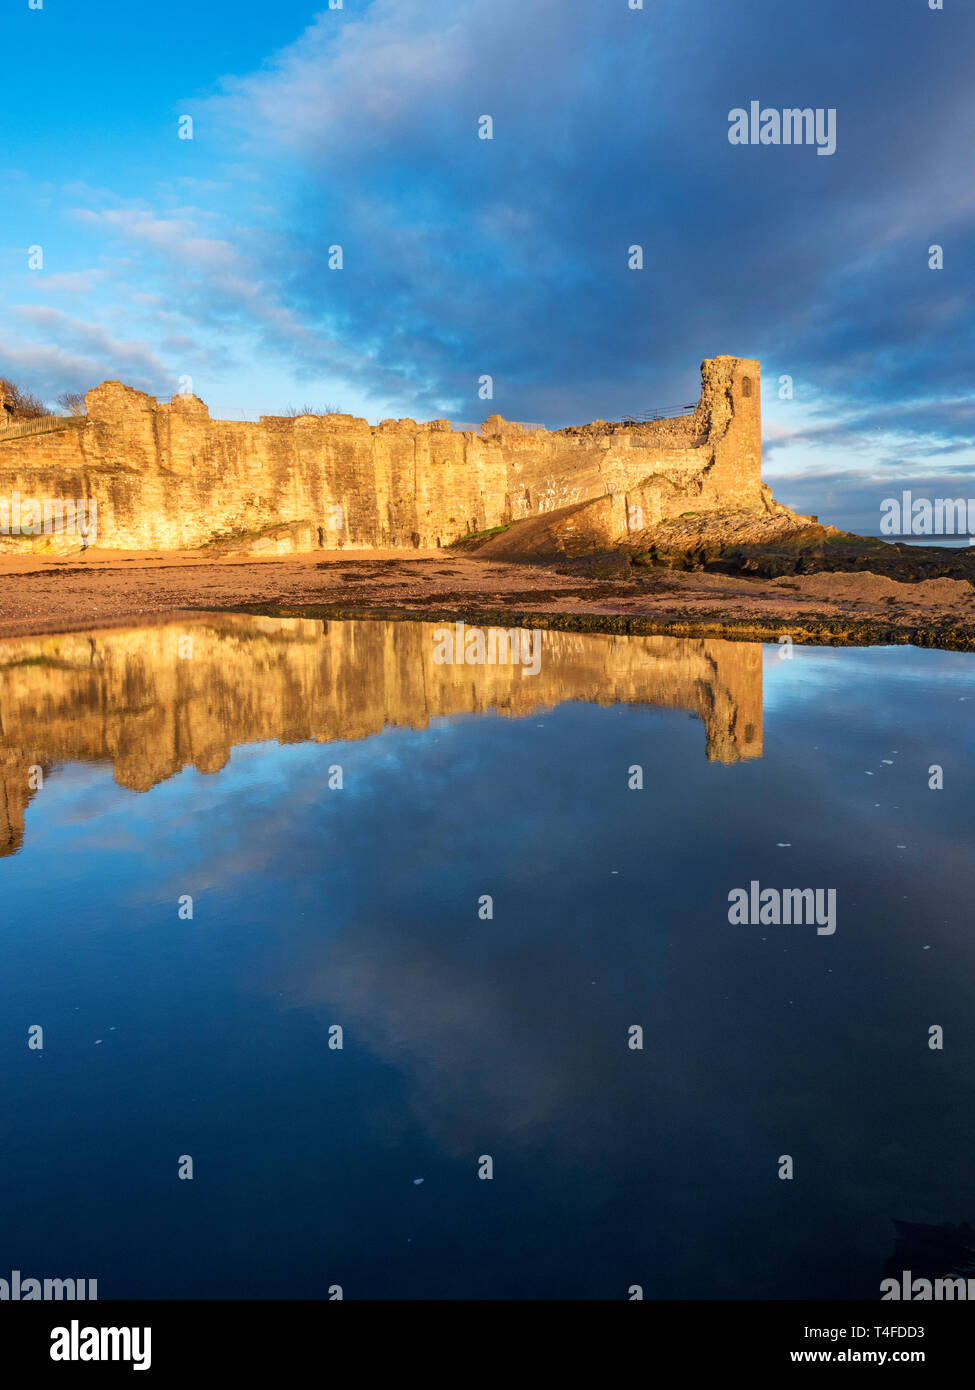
x=164, y=475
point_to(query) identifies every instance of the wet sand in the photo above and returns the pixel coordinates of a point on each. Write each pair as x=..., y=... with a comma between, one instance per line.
x=70, y=593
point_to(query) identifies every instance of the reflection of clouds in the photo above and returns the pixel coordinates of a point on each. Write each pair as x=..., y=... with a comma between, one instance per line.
x=855, y=674
x=480, y=1069
x=499, y=1031
x=851, y=708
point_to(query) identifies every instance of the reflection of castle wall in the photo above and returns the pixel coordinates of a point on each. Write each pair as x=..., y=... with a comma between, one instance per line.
x=129, y=697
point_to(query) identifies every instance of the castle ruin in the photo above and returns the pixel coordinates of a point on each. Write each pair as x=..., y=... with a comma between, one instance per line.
x=166, y=476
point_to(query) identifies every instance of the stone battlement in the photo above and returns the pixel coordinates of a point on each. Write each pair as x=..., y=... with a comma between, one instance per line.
x=164, y=475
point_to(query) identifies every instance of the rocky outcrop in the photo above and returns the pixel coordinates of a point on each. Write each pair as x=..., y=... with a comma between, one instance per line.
x=687, y=541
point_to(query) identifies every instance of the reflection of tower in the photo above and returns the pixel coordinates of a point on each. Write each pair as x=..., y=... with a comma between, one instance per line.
x=127, y=697
x=720, y=681
x=731, y=703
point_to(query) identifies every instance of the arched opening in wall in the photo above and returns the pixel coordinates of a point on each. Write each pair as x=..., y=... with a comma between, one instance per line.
x=746, y=386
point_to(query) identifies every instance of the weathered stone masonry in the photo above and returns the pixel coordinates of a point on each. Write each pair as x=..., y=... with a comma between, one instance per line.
x=164, y=475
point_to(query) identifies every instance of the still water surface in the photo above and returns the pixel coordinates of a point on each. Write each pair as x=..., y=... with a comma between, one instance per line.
x=171, y=771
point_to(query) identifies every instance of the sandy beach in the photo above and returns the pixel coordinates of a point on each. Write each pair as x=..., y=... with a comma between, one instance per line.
x=70, y=593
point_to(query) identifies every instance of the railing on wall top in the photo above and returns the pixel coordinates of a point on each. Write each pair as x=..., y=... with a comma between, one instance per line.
x=662, y=412
x=42, y=424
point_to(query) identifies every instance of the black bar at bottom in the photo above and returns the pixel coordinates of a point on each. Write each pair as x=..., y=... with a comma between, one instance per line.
x=459, y=1337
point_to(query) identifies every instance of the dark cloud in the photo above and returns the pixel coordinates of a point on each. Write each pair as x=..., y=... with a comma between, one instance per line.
x=508, y=257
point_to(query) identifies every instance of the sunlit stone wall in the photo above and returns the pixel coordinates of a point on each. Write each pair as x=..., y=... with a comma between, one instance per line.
x=164, y=475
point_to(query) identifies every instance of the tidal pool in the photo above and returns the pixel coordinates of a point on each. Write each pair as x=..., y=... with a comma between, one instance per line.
x=227, y=838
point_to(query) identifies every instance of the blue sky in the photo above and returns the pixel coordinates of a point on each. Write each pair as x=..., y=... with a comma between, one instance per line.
x=208, y=258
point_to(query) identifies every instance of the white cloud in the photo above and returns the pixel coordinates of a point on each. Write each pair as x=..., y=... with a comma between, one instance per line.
x=69, y=281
